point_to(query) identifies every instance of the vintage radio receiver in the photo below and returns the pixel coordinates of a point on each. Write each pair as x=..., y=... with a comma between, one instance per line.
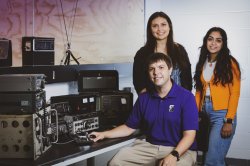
x=62, y=107
x=72, y=124
x=38, y=51
x=114, y=107
x=81, y=123
x=22, y=103
x=22, y=82
x=25, y=136
x=59, y=127
x=74, y=103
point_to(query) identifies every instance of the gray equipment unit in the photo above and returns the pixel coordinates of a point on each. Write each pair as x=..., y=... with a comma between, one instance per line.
x=25, y=136
x=22, y=103
x=22, y=82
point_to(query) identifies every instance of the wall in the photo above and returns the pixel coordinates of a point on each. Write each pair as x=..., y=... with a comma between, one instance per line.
x=191, y=20
x=102, y=31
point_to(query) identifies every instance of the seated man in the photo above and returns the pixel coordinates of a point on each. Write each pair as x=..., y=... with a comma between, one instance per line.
x=168, y=117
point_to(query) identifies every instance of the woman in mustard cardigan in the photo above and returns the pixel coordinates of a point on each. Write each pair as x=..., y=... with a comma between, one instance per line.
x=217, y=83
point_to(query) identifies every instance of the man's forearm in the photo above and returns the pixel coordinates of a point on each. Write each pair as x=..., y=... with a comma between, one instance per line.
x=186, y=141
x=120, y=131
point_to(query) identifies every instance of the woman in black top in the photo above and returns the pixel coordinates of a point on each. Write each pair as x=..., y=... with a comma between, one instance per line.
x=160, y=39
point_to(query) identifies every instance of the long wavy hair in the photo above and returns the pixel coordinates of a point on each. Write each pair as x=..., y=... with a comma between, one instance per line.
x=172, y=47
x=223, y=72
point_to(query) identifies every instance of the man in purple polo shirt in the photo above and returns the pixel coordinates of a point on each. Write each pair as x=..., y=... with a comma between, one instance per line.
x=166, y=114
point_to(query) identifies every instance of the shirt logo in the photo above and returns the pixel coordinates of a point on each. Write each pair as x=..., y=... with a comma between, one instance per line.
x=171, y=108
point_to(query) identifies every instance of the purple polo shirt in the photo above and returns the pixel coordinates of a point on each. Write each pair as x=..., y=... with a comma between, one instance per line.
x=163, y=120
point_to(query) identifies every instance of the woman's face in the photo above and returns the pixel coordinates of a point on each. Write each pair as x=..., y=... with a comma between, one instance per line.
x=214, y=43
x=160, y=28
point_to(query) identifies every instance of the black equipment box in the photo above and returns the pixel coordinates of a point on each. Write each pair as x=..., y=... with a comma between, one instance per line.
x=74, y=104
x=5, y=52
x=38, y=51
x=22, y=103
x=114, y=107
x=98, y=80
x=22, y=82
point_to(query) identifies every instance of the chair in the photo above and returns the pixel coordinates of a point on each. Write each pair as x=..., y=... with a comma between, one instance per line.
x=202, y=135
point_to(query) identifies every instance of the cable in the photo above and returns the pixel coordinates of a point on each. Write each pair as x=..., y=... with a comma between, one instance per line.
x=68, y=52
x=73, y=20
x=62, y=143
x=65, y=27
x=64, y=23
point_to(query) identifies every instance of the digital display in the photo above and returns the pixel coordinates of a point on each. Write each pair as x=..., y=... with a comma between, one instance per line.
x=43, y=44
x=98, y=82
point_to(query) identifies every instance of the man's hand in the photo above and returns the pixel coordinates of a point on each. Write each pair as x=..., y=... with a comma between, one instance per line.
x=169, y=160
x=97, y=136
x=120, y=131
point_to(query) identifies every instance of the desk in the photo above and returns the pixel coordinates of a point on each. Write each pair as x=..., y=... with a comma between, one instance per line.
x=60, y=155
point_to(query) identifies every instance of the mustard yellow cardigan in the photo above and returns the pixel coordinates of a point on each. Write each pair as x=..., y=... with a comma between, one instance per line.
x=223, y=97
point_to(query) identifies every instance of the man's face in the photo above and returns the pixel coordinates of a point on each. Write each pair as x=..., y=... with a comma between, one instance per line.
x=159, y=73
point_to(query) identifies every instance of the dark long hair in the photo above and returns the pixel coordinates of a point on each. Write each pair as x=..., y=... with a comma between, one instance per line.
x=172, y=47
x=223, y=72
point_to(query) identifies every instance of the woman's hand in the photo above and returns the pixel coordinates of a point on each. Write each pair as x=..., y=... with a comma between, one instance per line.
x=226, y=130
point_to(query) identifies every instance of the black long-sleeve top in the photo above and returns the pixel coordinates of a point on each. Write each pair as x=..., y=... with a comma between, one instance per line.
x=140, y=75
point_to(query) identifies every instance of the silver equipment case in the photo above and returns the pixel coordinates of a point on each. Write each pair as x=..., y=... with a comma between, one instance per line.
x=22, y=82
x=26, y=136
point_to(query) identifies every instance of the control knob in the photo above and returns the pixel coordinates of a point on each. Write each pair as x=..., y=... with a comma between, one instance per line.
x=86, y=125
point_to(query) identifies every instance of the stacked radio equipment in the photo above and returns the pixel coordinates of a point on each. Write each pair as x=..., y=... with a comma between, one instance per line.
x=76, y=113
x=99, y=105
x=25, y=122
x=113, y=105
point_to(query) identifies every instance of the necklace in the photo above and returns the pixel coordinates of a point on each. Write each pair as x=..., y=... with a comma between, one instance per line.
x=210, y=63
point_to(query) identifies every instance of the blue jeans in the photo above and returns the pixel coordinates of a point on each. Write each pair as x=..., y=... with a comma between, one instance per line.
x=218, y=146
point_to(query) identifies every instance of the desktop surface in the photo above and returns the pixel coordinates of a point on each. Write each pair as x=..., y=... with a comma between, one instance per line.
x=64, y=154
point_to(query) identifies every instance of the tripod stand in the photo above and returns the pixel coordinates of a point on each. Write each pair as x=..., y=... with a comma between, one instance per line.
x=68, y=52
x=68, y=55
